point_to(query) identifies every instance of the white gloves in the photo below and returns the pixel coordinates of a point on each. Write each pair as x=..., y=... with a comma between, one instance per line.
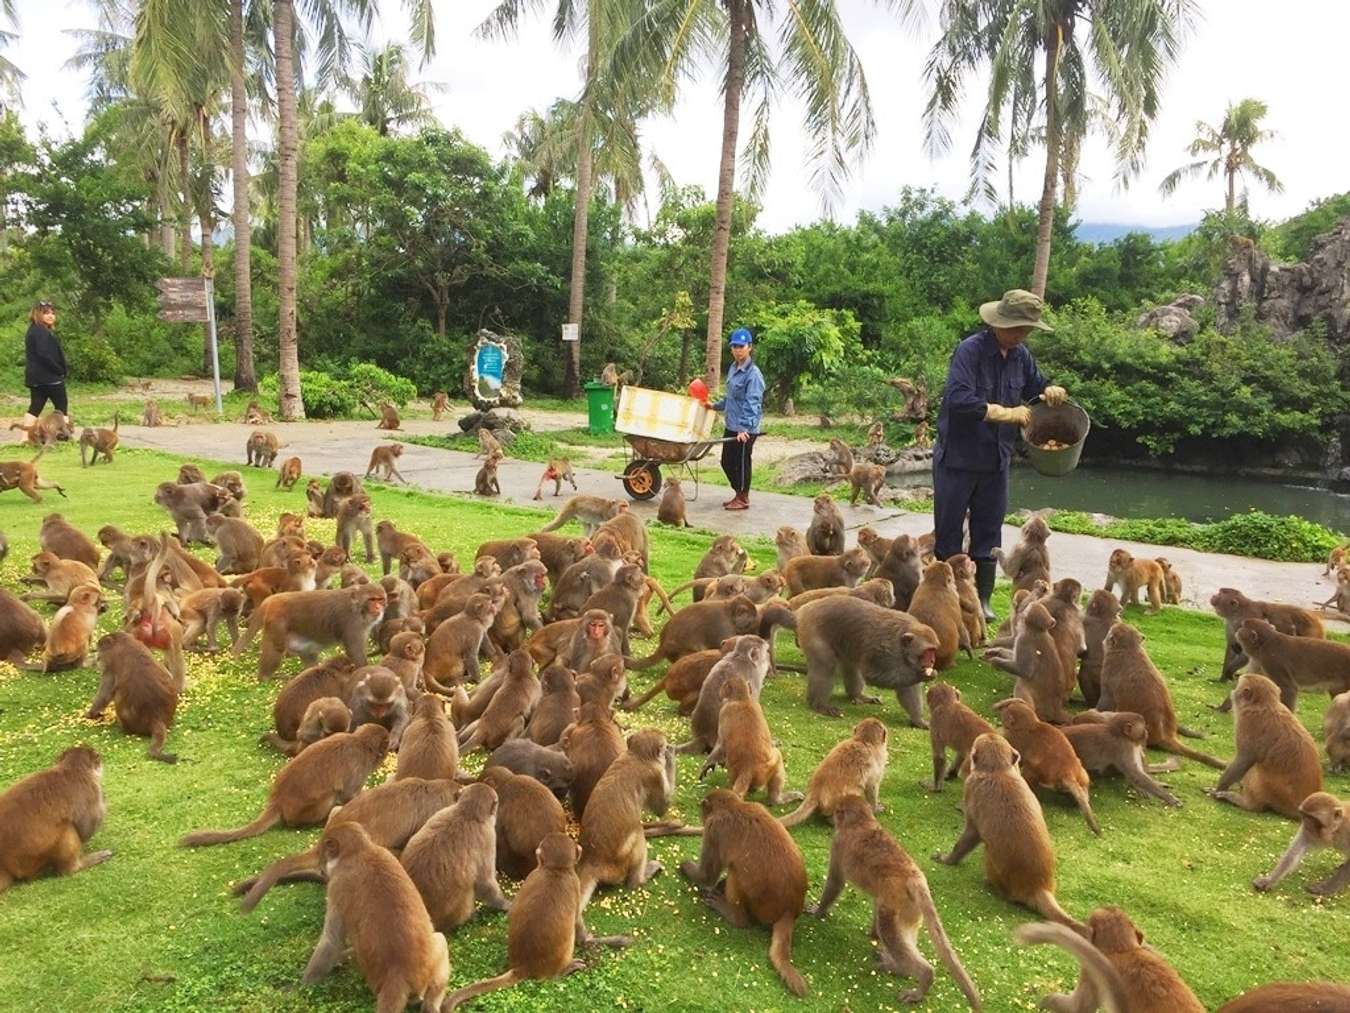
x=1021, y=415
x=1053, y=395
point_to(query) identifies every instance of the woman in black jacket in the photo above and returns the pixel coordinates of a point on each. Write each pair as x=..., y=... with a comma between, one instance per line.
x=44, y=364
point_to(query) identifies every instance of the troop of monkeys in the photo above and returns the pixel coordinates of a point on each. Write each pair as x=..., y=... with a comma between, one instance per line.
x=406, y=862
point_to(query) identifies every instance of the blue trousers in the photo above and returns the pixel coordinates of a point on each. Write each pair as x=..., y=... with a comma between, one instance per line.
x=981, y=494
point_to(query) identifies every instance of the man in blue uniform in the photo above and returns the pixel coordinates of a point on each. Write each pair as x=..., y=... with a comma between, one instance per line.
x=743, y=404
x=991, y=376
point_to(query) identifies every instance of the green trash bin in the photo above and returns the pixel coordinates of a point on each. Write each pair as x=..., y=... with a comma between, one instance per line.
x=599, y=408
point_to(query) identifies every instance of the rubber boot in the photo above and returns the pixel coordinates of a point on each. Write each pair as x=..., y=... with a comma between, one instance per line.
x=986, y=570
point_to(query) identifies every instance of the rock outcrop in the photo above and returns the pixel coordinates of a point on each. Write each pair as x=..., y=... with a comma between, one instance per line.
x=1173, y=320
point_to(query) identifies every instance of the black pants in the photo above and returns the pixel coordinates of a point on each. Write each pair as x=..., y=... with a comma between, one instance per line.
x=736, y=462
x=53, y=392
x=982, y=494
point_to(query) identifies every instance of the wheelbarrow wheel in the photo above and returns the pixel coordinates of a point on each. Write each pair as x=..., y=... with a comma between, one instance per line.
x=642, y=479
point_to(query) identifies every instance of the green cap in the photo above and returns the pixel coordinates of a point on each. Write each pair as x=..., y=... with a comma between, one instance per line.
x=1017, y=308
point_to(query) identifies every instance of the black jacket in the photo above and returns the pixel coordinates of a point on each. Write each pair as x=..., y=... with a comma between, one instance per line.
x=44, y=362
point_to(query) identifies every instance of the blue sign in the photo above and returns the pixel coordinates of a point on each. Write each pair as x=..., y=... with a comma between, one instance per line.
x=489, y=369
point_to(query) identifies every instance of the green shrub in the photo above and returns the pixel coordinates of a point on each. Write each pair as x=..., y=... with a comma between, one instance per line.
x=92, y=358
x=373, y=384
x=325, y=397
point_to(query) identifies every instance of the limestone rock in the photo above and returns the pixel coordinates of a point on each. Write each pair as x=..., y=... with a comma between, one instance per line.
x=812, y=466
x=1173, y=321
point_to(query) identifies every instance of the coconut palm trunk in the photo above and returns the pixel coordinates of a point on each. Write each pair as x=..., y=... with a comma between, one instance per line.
x=288, y=354
x=1046, y=224
x=180, y=142
x=244, y=376
x=726, y=188
x=580, y=226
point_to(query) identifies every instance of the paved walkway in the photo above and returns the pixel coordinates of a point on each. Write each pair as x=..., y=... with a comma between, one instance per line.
x=326, y=447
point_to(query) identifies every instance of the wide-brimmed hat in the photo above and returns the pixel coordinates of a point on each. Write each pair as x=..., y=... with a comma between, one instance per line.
x=1017, y=308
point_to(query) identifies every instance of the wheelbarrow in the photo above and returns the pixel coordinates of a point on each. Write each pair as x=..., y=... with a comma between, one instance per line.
x=661, y=428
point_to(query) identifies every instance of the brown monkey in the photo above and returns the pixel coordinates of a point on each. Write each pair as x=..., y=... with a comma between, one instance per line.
x=353, y=516
x=373, y=905
x=417, y=565
x=307, y=621
x=1335, y=558
x=1068, y=634
x=843, y=457
x=1234, y=607
x=592, y=744
x=869, y=645
x=544, y=924
x=877, y=591
x=203, y=611
x=1291, y=997
x=100, y=441
x=558, y=553
x=144, y=692
x=298, y=574
x=191, y=474
x=429, y=748
x=547, y=766
x=864, y=854
x=234, y=482
x=792, y=543
x=335, y=677
x=71, y=629
x=150, y=415
x=118, y=544
x=1133, y=574
x=903, y=568
x=590, y=511
x=326, y=774
x=401, y=599
x=683, y=680
x=558, y=470
x=875, y=545
x=440, y=404
x=724, y=556
x=1048, y=759
x=747, y=658
x=239, y=544
x=825, y=533
x=583, y=578
x=1324, y=823
x=329, y=565
x=388, y=417
x=1131, y=682
x=745, y=746
x=575, y=643
x=604, y=681
x=630, y=532
x=47, y=430
x=21, y=629
x=1102, y=612
x=189, y=505
x=855, y=766
x=65, y=541
x=1276, y=760
x=314, y=494
x=261, y=449
x=289, y=473
x=404, y=655
x=452, y=860
x=1116, y=741
x=509, y=552
x=951, y=725
x=340, y=486
x=1336, y=732
x=937, y=604
x=619, y=599
x=379, y=698
x=765, y=874
x=506, y=716
x=324, y=717
x=1295, y=663
x=557, y=707
x=385, y=461
x=807, y=573
x=453, y=647
x=388, y=630
x=1029, y=561
x=972, y=615
x=487, y=442
x=672, y=508
x=60, y=575
x=1002, y=813
x=485, y=483
x=1338, y=605
x=1117, y=970
x=1035, y=661
x=255, y=416
x=199, y=401
x=699, y=626
x=428, y=591
x=867, y=481
x=527, y=812
x=1171, y=583
x=47, y=818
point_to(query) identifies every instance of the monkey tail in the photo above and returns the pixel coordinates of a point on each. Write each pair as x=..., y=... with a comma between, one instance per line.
x=638, y=664
x=267, y=819
x=801, y=814
x=558, y=521
x=646, y=697
x=117, y=418
x=943, y=945
x=41, y=450
x=255, y=622
x=1044, y=901
x=660, y=593
x=1190, y=733
x=1110, y=989
x=463, y=995
x=1181, y=749
x=685, y=586
x=780, y=954
x=254, y=889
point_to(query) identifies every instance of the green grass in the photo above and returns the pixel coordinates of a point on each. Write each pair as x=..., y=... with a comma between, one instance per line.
x=154, y=928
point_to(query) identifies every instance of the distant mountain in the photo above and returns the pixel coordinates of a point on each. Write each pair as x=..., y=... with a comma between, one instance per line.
x=1108, y=232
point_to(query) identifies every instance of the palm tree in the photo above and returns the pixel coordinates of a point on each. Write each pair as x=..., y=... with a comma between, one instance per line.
x=10, y=74
x=814, y=60
x=387, y=100
x=1231, y=145
x=1040, y=54
x=245, y=376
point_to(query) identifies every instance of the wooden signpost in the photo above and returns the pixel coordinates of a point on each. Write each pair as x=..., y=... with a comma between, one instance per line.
x=192, y=301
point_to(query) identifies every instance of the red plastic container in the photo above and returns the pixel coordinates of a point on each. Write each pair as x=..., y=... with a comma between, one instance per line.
x=698, y=390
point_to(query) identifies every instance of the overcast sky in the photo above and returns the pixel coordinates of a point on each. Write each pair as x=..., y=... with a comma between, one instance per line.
x=1294, y=61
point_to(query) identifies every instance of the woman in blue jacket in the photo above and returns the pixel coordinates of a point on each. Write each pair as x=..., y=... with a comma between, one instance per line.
x=743, y=405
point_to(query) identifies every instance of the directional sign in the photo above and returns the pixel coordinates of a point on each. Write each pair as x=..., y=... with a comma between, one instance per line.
x=182, y=300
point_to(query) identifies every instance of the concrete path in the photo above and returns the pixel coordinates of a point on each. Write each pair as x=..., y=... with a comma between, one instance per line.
x=326, y=447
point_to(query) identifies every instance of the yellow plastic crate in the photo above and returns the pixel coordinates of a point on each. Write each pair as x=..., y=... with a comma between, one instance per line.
x=658, y=415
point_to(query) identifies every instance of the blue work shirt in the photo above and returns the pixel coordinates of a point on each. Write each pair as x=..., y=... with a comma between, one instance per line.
x=743, y=402
x=979, y=375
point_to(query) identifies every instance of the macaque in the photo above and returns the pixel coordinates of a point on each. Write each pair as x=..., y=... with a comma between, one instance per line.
x=854, y=766
x=47, y=818
x=866, y=480
x=261, y=449
x=289, y=473
x=1132, y=575
x=590, y=511
x=1030, y=560
x=23, y=475
x=379, y=698
x=353, y=516
x=388, y=417
x=440, y=404
x=1277, y=761
x=672, y=508
x=1324, y=823
x=144, y=692
x=385, y=461
x=485, y=483
x=556, y=471
x=150, y=414
x=239, y=544
x=100, y=441
x=307, y=621
x=825, y=534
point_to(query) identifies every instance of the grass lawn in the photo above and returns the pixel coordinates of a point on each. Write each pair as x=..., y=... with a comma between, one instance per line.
x=154, y=928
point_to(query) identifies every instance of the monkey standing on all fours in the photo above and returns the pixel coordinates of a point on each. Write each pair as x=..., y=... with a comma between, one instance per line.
x=991, y=375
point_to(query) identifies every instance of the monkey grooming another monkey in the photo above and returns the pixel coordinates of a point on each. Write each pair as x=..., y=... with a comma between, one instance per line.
x=324, y=717
x=65, y=541
x=557, y=707
x=951, y=725
x=1003, y=814
x=592, y=744
x=1047, y=757
x=1324, y=823
x=260, y=450
x=854, y=766
x=868, y=857
x=825, y=533
x=452, y=860
x=765, y=874
x=1029, y=561
x=506, y=716
x=1171, y=582
x=47, y=818
x=379, y=698
x=144, y=692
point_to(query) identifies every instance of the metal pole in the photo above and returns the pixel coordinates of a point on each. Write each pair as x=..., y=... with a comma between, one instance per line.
x=211, y=332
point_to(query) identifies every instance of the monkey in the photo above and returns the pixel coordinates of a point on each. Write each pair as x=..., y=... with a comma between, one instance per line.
x=239, y=543
x=47, y=430
x=619, y=600
x=61, y=576
x=519, y=615
x=582, y=579
x=672, y=508
x=305, y=790
x=485, y=483
x=825, y=533
x=388, y=417
x=1116, y=741
x=440, y=404
x=100, y=441
x=203, y=611
x=353, y=516
x=261, y=449
x=488, y=443
x=255, y=416
x=592, y=744
x=604, y=681
x=118, y=544
x=1067, y=632
x=307, y=621
x=314, y=494
x=807, y=573
x=340, y=486
x=384, y=460
x=505, y=717
x=1335, y=558
x=1131, y=682
x=790, y=543
x=558, y=705
x=453, y=593
x=558, y=470
x=199, y=401
x=288, y=474
x=702, y=625
x=65, y=541
x=1035, y=660
x=527, y=812
x=234, y=482
x=864, y=854
x=336, y=677
x=392, y=542
x=1276, y=760
x=1133, y=574
x=258, y=585
x=150, y=415
x=725, y=555
x=1002, y=813
x=765, y=874
x=842, y=464
x=374, y=905
x=509, y=552
x=1294, y=663
x=329, y=565
x=417, y=565
x=1030, y=560
x=276, y=552
x=867, y=481
x=21, y=629
x=1324, y=822
x=379, y=698
x=683, y=680
x=23, y=475
x=1338, y=605
x=452, y=649
x=1048, y=759
x=188, y=506
x=191, y=474
x=70, y=632
x=1171, y=582
x=1103, y=611
x=323, y=717
x=452, y=859
x=144, y=692
x=558, y=553
x=48, y=817
x=1291, y=997
x=951, y=725
x=875, y=545
x=745, y=746
x=854, y=766
x=429, y=590
x=548, y=766
x=404, y=655
x=937, y=604
x=1336, y=732
x=544, y=923
x=1118, y=971
x=590, y=511
x=631, y=534
x=877, y=591
x=747, y=658
x=903, y=568
x=401, y=598
x=869, y=645
x=1234, y=607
